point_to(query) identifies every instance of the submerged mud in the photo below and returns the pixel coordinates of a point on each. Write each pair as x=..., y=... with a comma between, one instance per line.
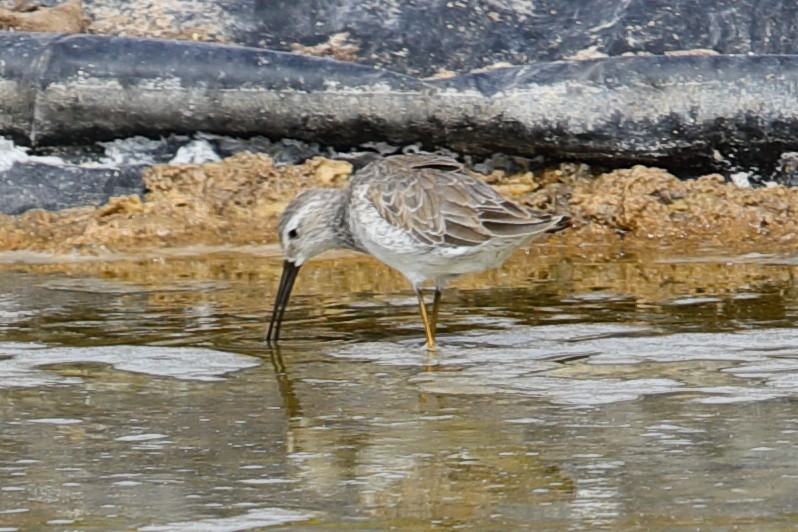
x=238, y=201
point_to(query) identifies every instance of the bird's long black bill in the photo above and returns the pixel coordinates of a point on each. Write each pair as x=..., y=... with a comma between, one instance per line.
x=290, y=271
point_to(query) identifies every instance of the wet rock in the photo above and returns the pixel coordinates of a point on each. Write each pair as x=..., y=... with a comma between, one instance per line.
x=283, y=151
x=617, y=111
x=45, y=186
x=427, y=37
x=786, y=172
x=507, y=164
x=707, y=94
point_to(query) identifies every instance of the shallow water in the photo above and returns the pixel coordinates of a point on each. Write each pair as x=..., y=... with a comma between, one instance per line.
x=569, y=393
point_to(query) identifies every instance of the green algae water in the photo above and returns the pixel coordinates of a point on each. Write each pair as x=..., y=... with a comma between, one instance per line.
x=568, y=393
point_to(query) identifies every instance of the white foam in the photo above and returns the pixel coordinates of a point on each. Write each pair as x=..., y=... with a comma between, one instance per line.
x=141, y=437
x=252, y=519
x=695, y=300
x=196, y=152
x=741, y=179
x=10, y=154
x=578, y=392
x=526, y=421
x=523, y=360
x=259, y=481
x=56, y=421
x=185, y=363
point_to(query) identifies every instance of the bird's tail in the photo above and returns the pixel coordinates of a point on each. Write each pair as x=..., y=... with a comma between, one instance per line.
x=559, y=223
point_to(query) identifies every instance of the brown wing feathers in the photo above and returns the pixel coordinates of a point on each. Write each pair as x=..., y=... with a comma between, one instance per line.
x=435, y=200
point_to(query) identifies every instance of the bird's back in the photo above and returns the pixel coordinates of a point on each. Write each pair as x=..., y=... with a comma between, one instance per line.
x=439, y=204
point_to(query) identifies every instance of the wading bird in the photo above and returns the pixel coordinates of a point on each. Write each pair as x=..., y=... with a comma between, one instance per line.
x=423, y=215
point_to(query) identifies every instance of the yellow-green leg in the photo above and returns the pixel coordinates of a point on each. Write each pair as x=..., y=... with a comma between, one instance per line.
x=429, y=330
x=436, y=303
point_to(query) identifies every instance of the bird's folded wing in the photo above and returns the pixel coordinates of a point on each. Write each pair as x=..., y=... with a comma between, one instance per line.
x=439, y=203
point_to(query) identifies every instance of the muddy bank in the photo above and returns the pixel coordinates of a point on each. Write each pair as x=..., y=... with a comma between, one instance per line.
x=648, y=205
x=233, y=202
x=68, y=17
x=237, y=202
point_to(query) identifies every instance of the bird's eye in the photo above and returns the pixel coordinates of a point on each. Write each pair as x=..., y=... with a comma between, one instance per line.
x=292, y=234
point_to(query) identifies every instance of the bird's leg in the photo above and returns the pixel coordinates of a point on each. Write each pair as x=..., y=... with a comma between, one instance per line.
x=436, y=303
x=428, y=328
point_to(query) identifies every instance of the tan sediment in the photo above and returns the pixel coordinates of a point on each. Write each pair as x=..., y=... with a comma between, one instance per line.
x=233, y=202
x=651, y=207
x=237, y=202
x=336, y=46
x=180, y=20
x=67, y=17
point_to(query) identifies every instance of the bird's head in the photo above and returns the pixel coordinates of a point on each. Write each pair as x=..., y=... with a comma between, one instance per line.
x=307, y=228
x=307, y=225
